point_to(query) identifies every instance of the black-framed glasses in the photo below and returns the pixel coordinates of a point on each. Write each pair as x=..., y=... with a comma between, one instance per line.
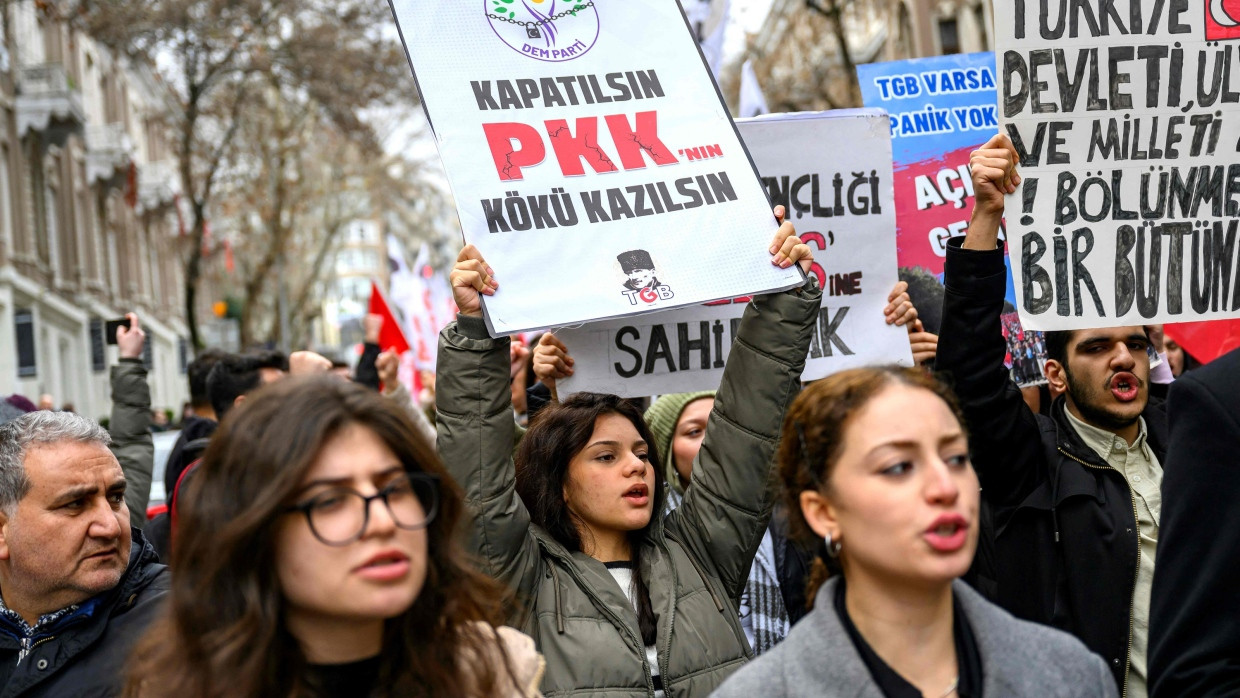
x=340, y=516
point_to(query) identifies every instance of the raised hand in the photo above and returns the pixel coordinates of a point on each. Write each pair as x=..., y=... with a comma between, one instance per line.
x=302, y=363
x=787, y=248
x=372, y=326
x=552, y=362
x=925, y=345
x=993, y=167
x=387, y=365
x=899, y=310
x=131, y=341
x=471, y=279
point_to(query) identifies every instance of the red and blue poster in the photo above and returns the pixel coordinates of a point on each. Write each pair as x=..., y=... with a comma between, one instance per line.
x=941, y=109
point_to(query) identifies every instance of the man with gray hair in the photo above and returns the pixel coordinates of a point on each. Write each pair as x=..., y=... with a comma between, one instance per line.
x=78, y=584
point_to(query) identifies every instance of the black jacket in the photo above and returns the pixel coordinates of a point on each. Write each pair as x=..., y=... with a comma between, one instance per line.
x=86, y=653
x=366, y=373
x=1195, y=604
x=1065, y=542
x=195, y=428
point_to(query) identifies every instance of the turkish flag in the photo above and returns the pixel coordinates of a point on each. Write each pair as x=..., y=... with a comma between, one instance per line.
x=390, y=335
x=1206, y=341
x=1222, y=19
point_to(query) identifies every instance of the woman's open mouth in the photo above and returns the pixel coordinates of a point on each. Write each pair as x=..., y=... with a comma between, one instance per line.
x=638, y=495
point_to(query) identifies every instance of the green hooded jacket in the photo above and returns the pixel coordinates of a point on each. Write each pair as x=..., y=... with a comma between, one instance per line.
x=130, y=428
x=695, y=562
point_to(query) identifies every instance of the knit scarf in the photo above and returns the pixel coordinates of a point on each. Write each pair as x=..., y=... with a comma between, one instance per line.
x=765, y=602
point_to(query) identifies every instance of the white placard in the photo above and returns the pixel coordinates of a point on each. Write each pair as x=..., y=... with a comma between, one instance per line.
x=832, y=171
x=590, y=156
x=1126, y=117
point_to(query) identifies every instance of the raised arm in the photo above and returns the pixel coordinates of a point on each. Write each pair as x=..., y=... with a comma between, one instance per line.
x=1003, y=434
x=728, y=504
x=130, y=425
x=388, y=367
x=475, y=429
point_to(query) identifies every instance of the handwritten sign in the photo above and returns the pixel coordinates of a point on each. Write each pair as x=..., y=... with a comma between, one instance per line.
x=1126, y=118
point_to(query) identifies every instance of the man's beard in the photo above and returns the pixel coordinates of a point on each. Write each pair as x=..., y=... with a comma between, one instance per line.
x=1086, y=399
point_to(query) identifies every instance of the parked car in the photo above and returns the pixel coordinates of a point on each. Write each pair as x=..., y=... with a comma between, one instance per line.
x=164, y=441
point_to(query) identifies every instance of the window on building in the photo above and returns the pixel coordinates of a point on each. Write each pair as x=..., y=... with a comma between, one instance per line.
x=949, y=36
x=52, y=246
x=183, y=354
x=98, y=360
x=6, y=202
x=983, y=25
x=904, y=40
x=26, y=363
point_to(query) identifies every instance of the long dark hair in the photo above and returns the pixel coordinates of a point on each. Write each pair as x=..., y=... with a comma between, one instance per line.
x=223, y=633
x=813, y=437
x=556, y=436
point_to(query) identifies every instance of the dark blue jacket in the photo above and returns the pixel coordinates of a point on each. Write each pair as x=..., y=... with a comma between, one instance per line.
x=83, y=654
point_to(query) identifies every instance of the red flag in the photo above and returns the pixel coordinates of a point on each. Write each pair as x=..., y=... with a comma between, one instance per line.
x=229, y=262
x=1206, y=341
x=390, y=335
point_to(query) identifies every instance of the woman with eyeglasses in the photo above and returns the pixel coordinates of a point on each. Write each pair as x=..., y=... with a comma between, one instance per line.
x=622, y=601
x=317, y=556
x=875, y=467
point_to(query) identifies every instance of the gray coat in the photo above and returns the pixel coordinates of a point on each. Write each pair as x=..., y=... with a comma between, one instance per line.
x=1019, y=658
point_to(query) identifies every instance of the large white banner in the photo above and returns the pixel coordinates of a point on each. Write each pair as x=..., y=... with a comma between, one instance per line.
x=592, y=159
x=1126, y=114
x=832, y=171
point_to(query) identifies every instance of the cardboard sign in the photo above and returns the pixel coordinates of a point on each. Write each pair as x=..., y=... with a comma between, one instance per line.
x=832, y=172
x=591, y=157
x=1125, y=114
x=941, y=110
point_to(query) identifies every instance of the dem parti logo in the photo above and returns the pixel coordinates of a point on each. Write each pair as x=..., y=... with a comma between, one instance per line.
x=548, y=30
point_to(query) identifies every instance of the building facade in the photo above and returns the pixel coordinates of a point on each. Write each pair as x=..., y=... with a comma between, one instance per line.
x=88, y=215
x=797, y=54
x=360, y=258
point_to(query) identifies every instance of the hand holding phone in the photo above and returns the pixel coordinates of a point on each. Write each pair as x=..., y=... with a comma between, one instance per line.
x=109, y=329
x=130, y=338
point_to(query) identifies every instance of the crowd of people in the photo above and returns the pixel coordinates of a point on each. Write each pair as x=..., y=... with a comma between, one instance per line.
x=872, y=533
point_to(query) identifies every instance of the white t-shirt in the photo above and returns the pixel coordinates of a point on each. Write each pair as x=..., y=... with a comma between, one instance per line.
x=622, y=572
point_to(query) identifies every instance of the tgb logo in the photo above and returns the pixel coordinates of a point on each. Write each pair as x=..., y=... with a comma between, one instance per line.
x=548, y=30
x=1222, y=19
x=642, y=284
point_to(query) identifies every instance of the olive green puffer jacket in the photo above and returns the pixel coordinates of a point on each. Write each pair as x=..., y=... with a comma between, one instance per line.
x=695, y=561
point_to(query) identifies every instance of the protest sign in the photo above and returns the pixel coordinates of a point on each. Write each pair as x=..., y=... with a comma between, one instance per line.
x=591, y=157
x=1125, y=115
x=832, y=171
x=941, y=110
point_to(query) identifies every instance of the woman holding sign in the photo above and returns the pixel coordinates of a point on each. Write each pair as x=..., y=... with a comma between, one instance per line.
x=619, y=600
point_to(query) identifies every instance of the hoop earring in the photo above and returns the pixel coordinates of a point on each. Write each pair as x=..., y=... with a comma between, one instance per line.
x=832, y=547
